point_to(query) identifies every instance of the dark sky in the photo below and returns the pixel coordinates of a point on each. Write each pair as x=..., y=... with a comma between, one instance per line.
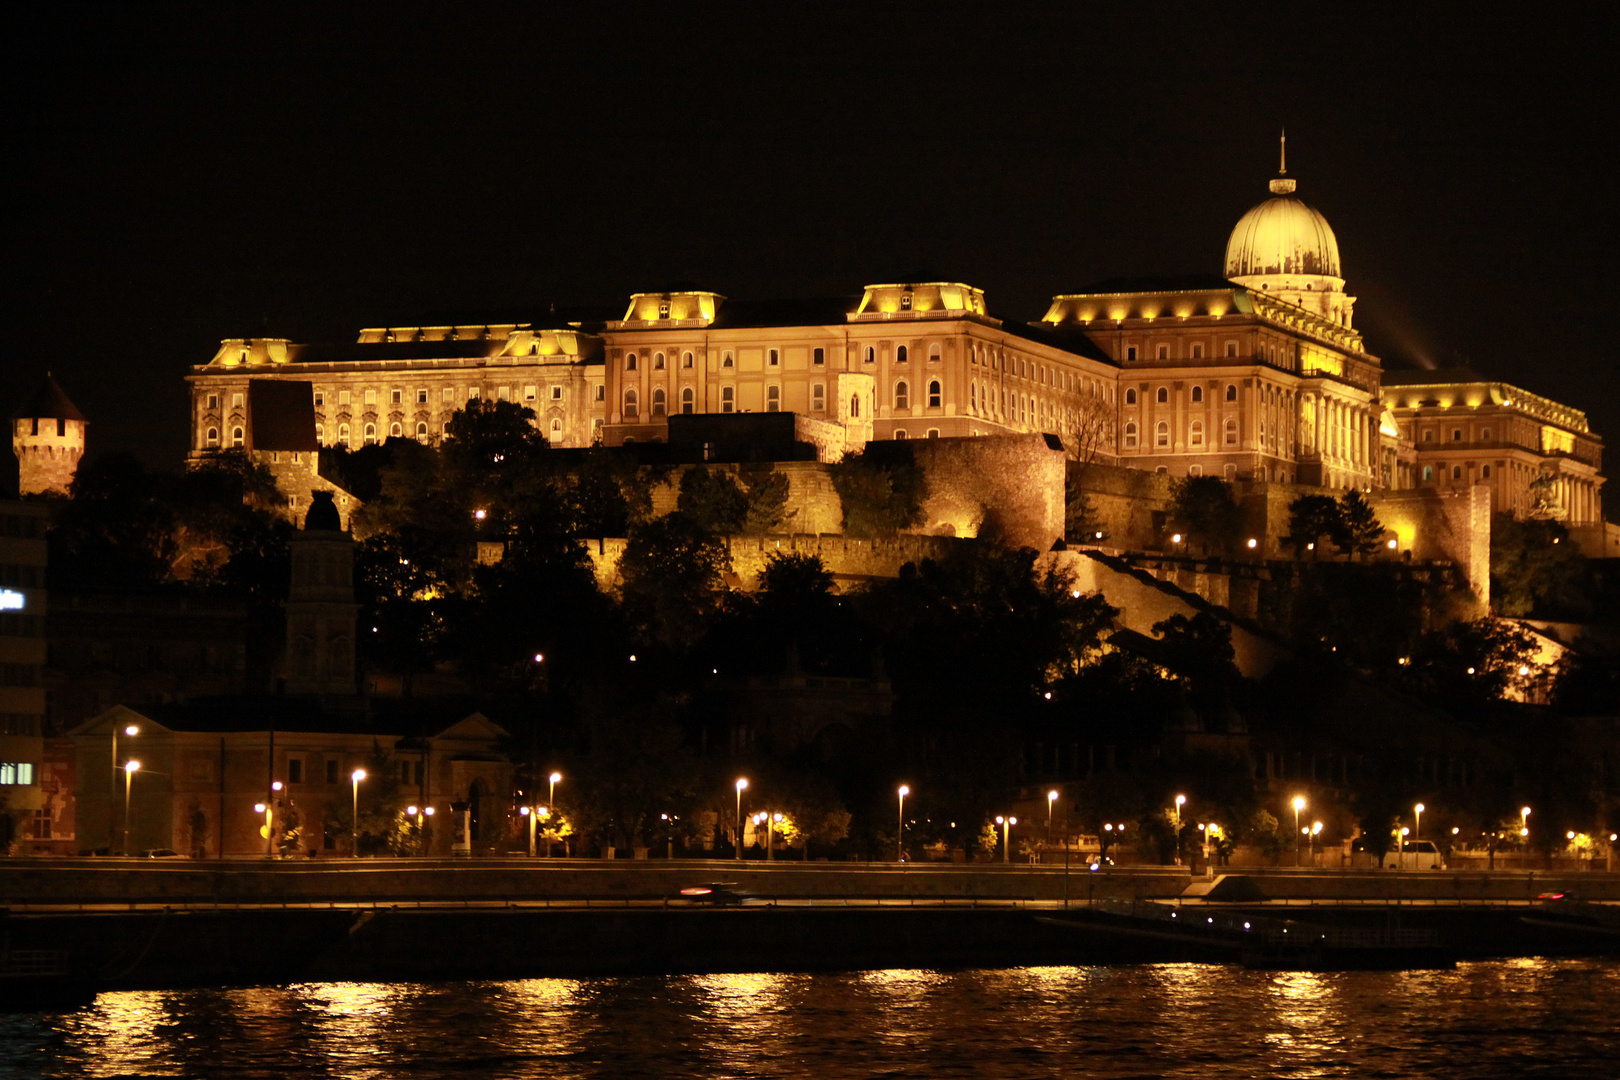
x=179, y=174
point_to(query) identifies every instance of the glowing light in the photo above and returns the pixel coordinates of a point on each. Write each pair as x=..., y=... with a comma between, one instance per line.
x=1253, y=542
x=11, y=600
x=358, y=775
x=742, y=784
x=539, y=658
x=479, y=515
x=555, y=777
x=1176, y=539
x=132, y=766
x=1390, y=544
x=905, y=790
x=1299, y=803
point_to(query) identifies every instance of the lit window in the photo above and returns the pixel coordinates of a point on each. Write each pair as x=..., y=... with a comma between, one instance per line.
x=631, y=406
x=818, y=398
x=1161, y=434
x=663, y=309
x=320, y=433
x=1195, y=434
x=395, y=431
x=343, y=434
x=504, y=393
x=371, y=434
x=687, y=401
x=658, y=401
x=933, y=353
x=855, y=405
x=236, y=401
x=902, y=395
x=447, y=395
x=529, y=392
x=905, y=301
x=601, y=393
x=935, y=396
x=421, y=431
x=728, y=399
x=236, y=436
x=1130, y=435
x=343, y=397
x=371, y=397
x=1230, y=432
x=212, y=439
x=773, y=399
x=870, y=355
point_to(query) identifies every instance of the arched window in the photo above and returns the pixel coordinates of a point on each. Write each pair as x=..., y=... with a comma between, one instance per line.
x=1163, y=395
x=1195, y=434
x=933, y=433
x=658, y=361
x=421, y=431
x=773, y=398
x=1231, y=392
x=1456, y=472
x=213, y=436
x=933, y=353
x=1484, y=472
x=629, y=361
x=1195, y=470
x=818, y=397
x=658, y=401
x=343, y=433
x=556, y=430
x=725, y=360
x=1198, y=393
x=686, y=360
x=902, y=395
x=870, y=355
x=320, y=434
x=1428, y=472
x=899, y=433
x=900, y=355
x=632, y=404
x=973, y=397
x=445, y=426
x=728, y=399
x=935, y=396
x=687, y=401
x=1161, y=434
x=237, y=437
x=371, y=434
x=1229, y=432
x=855, y=405
x=1130, y=397
x=1130, y=436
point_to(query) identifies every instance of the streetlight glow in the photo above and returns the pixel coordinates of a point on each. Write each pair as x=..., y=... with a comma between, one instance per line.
x=356, y=776
x=900, y=833
x=742, y=785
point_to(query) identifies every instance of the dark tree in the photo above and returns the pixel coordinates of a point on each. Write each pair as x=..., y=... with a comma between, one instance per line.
x=1362, y=531
x=1205, y=512
x=1310, y=518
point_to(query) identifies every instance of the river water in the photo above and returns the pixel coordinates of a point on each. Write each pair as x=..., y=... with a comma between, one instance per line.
x=1513, y=1018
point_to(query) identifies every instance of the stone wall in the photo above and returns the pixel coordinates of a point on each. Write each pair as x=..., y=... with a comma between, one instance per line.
x=813, y=505
x=1013, y=483
x=1443, y=525
x=47, y=461
x=1124, y=503
x=849, y=559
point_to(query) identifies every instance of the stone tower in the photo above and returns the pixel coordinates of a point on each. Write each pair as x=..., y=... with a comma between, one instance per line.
x=47, y=435
x=320, y=605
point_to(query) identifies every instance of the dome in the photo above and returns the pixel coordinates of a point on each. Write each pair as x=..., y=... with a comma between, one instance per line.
x=1282, y=236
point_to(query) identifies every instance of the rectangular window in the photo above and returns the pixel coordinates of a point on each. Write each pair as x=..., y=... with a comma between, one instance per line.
x=504, y=393
x=776, y=358
x=819, y=356
x=530, y=392
x=396, y=397
x=331, y=771
x=449, y=394
x=422, y=396
x=213, y=404
x=601, y=393
x=320, y=398
x=295, y=770
x=1130, y=353
x=371, y=397
x=343, y=397
x=556, y=393
x=16, y=772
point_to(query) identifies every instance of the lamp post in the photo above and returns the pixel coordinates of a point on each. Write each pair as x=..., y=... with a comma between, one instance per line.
x=1316, y=831
x=1524, y=834
x=742, y=785
x=131, y=767
x=1299, y=804
x=900, y=833
x=264, y=808
x=1417, y=827
x=1181, y=800
x=533, y=815
x=1006, y=836
x=131, y=730
x=1051, y=801
x=356, y=776
x=268, y=809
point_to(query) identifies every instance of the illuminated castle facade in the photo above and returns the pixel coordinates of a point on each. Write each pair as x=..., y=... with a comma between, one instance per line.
x=1257, y=374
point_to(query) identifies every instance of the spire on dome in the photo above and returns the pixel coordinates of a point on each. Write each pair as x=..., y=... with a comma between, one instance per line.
x=1282, y=185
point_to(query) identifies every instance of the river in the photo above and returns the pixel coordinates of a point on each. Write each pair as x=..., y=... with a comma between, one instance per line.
x=1510, y=1018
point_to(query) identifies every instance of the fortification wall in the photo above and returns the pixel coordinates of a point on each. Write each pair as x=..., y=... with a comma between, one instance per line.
x=1011, y=483
x=1124, y=502
x=846, y=557
x=1443, y=525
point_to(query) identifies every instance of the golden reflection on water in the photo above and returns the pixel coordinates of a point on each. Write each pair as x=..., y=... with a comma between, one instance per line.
x=544, y=994
x=123, y=1024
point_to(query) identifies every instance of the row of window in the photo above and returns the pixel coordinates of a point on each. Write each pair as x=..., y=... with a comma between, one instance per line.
x=659, y=404
x=1195, y=434
x=1195, y=351
x=773, y=358
x=1457, y=435
x=16, y=772
x=20, y=723
x=30, y=426
x=1162, y=395
x=19, y=576
x=1456, y=472
x=23, y=526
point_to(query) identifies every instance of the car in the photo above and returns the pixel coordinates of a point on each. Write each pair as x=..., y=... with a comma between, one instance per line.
x=161, y=853
x=1100, y=862
x=717, y=893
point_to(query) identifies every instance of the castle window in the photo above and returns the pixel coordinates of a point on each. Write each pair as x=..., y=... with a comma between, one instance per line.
x=663, y=309
x=395, y=431
x=905, y=301
x=1161, y=434
x=1130, y=436
x=1428, y=436
x=1195, y=470
x=504, y=393
x=1197, y=394
x=629, y=361
x=725, y=361
x=371, y=434
x=1130, y=397
x=658, y=401
x=870, y=355
x=396, y=397
x=422, y=395
x=1231, y=392
x=728, y=399
x=1428, y=472
x=601, y=393
x=1485, y=435
x=934, y=395
x=818, y=398
x=236, y=436
x=1130, y=354
x=445, y=427
x=1197, y=352
x=1231, y=348
x=1456, y=472
x=343, y=397
x=1229, y=432
x=773, y=398
x=900, y=354
x=686, y=359
x=211, y=439
x=1456, y=434
x=1484, y=472
x=371, y=397
x=973, y=397
x=775, y=358
x=447, y=395
x=902, y=395
x=1162, y=352
x=899, y=433
x=818, y=356
x=687, y=401
x=213, y=403
x=343, y=433
x=556, y=430
x=529, y=392
x=1163, y=395
x=658, y=361
x=934, y=353
x=421, y=431
x=855, y=405
x=320, y=433
x=933, y=433
x=556, y=393
x=236, y=401
x=1195, y=434
x=631, y=404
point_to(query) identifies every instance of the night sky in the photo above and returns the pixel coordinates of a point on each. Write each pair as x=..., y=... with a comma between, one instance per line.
x=180, y=174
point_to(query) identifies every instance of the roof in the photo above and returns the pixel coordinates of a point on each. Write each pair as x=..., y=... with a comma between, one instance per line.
x=307, y=715
x=49, y=402
x=1432, y=377
x=1067, y=336
x=350, y=352
x=809, y=311
x=1159, y=284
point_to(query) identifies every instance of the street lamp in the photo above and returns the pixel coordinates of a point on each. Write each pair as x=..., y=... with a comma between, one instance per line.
x=1181, y=800
x=1417, y=825
x=1299, y=804
x=1006, y=836
x=131, y=730
x=528, y=812
x=742, y=785
x=131, y=767
x=357, y=776
x=264, y=808
x=1051, y=800
x=1524, y=833
x=900, y=833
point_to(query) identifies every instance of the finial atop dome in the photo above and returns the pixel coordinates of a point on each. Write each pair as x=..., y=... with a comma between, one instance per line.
x=1282, y=185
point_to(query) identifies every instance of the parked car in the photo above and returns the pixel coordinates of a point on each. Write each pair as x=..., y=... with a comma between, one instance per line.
x=717, y=893
x=161, y=853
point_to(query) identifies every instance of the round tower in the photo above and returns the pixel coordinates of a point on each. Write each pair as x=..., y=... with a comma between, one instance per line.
x=47, y=435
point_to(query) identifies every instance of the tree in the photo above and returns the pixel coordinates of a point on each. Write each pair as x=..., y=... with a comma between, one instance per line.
x=1362, y=531
x=1089, y=430
x=882, y=491
x=713, y=500
x=1200, y=650
x=1535, y=568
x=1205, y=512
x=669, y=575
x=1310, y=518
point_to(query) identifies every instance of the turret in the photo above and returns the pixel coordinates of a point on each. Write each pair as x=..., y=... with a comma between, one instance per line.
x=47, y=435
